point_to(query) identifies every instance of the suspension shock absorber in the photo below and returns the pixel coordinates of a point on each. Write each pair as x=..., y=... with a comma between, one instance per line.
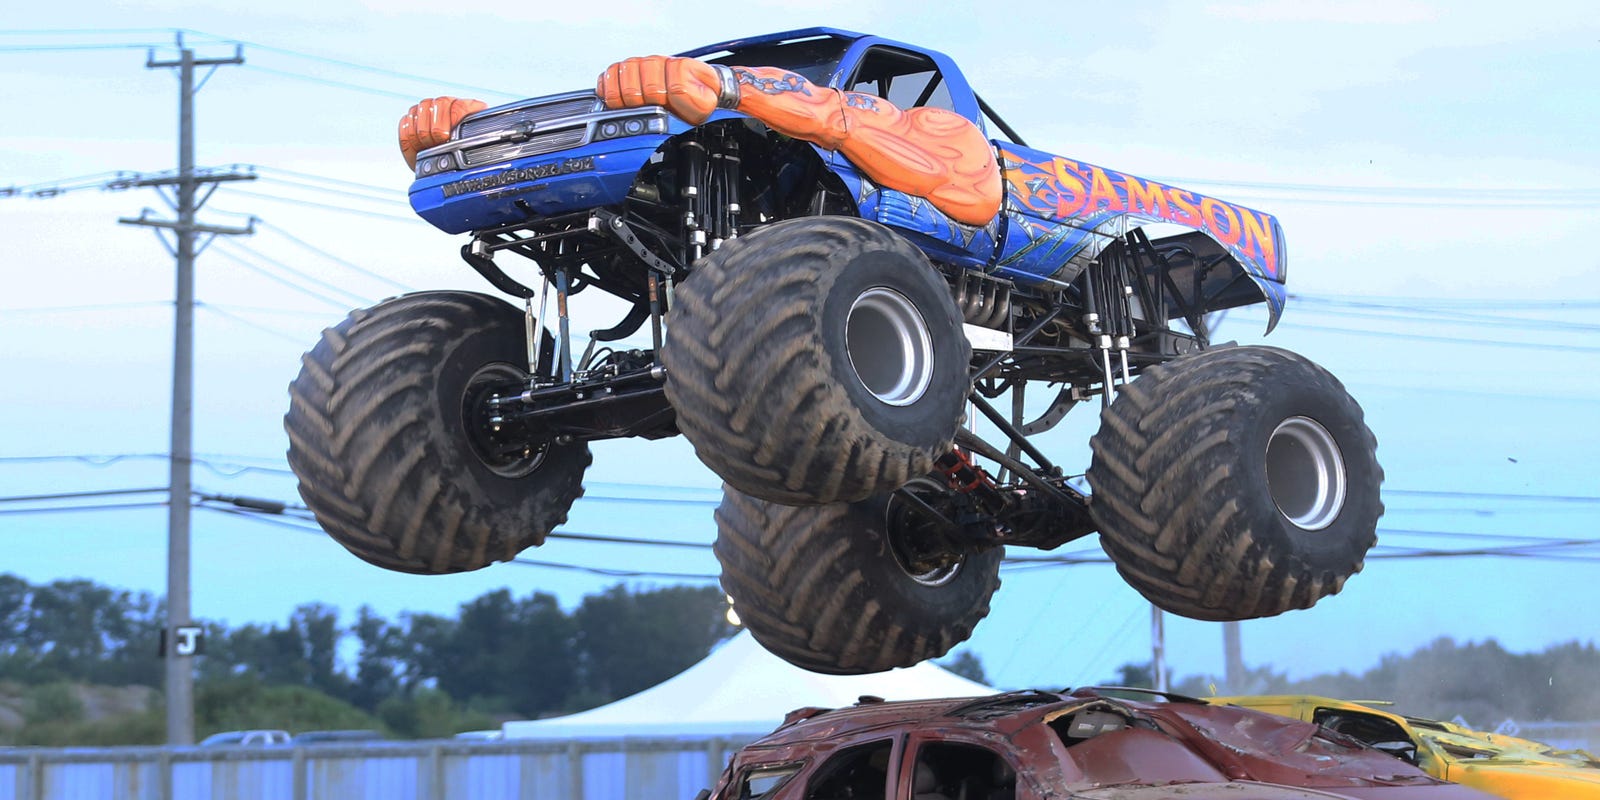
x=1093, y=322
x=1120, y=289
x=693, y=175
x=727, y=165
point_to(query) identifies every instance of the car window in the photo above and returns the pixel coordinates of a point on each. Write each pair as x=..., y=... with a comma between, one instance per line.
x=855, y=773
x=953, y=771
x=761, y=781
x=905, y=79
x=814, y=59
x=1369, y=728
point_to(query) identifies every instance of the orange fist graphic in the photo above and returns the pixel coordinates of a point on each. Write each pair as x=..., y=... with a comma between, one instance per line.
x=429, y=122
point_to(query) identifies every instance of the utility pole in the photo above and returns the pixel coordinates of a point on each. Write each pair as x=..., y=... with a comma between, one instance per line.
x=1158, y=649
x=1232, y=659
x=180, y=639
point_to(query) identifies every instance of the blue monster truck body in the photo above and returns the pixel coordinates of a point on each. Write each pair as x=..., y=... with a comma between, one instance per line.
x=550, y=156
x=821, y=340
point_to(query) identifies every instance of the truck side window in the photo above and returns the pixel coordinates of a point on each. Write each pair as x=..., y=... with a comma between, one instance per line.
x=761, y=781
x=905, y=79
x=951, y=771
x=856, y=773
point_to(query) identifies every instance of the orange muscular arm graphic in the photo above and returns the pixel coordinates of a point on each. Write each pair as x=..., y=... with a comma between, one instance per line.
x=927, y=152
x=429, y=123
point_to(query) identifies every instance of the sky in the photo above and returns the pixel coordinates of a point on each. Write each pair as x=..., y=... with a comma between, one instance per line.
x=1432, y=163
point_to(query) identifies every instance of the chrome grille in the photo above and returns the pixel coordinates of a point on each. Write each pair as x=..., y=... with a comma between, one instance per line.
x=530, y=114
x=543, y=143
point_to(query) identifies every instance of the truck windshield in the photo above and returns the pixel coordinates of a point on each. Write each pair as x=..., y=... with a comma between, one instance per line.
x=814, y=59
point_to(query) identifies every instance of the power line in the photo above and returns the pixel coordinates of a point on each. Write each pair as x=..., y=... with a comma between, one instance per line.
x=303, y=275
x=1475, y=511
x=1423, y=337
x=41, y=48
x=220, y=40
x=65, y=509
x=278, y=508
x=396, y=194
x=1550, y=397
x=1443, y=317
x=88, y=307
x=614, y=573
x=394, y=201
x=1380, y=552
x=286, y=312
x=337, y=260
x=339, y=304
x=1459, y=495
x=79, y=495
x=355, y=66
x=331, y=207
x=611, y=572
x=354, y=87
x=1519, y=304
x=99, y=180
x=1440, y=196
x=1461, y=317
x=1510, y=204
x=1466, y=535
x=85, y=31
x=216, y=459
x=274, y=332
x=591, y=537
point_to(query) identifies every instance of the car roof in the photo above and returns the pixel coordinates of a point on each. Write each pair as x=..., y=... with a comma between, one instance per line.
x=1004, y=713
x=996, y=712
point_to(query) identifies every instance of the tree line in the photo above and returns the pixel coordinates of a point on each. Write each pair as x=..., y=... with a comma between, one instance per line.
x=500, y=657
x=1481, y=682
x=503, y=657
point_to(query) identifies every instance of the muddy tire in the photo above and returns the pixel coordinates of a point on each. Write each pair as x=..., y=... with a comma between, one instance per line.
x=833, y=589
x=817, y=360
x=382, y=442
x=1234, y=484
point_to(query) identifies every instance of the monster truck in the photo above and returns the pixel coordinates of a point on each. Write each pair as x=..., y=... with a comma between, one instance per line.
x=841, y=272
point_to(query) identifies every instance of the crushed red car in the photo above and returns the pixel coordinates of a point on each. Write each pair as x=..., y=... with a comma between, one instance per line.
x=1036, y=745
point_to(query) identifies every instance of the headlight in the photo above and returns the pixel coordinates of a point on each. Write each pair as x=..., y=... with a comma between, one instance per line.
x=650, y=122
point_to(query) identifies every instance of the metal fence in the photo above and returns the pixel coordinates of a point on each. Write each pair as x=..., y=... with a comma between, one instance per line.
x=617, y=769
x=625, y=769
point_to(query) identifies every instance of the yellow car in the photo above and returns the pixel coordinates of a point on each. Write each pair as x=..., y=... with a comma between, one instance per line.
x=1506, y=766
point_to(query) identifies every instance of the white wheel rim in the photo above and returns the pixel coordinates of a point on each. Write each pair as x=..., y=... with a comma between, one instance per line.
x=889, y=346
x=1306, y=473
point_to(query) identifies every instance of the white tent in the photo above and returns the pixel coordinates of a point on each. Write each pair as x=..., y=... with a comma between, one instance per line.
x=741, y=689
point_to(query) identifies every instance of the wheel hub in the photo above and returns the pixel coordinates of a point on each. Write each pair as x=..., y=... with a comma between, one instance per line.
x=1306, y=473
x=889, y=346
x=924, y=556
x=508, y=460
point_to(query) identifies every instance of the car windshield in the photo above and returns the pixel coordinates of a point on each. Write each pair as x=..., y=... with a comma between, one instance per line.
x=814, y=59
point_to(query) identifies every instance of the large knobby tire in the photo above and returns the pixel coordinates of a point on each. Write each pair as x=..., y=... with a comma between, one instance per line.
x=380, y=434
x=817, y=360
x=1236, y=483
x=831, y=589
